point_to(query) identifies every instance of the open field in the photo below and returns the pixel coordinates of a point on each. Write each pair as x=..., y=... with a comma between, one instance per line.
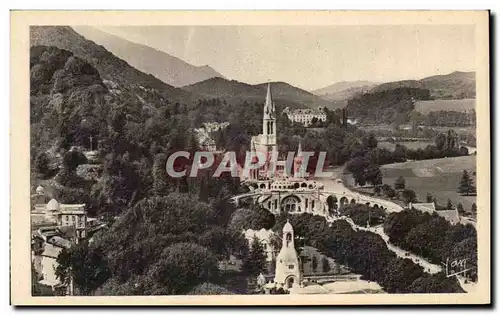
x=426, y=107
x=460, y=130
x=439, y=177
x=409, y=144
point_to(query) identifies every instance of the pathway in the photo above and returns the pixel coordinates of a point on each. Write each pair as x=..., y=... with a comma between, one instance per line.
x=335, y=184
x=427, y=266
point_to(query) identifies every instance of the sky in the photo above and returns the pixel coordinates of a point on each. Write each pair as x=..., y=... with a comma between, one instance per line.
x=312, y=57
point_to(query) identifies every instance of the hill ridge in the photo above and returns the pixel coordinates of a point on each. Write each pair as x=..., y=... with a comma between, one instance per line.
x=166, y=67
x=283, y=92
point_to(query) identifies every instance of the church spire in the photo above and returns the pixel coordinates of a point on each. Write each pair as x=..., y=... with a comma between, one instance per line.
x=269, y=105
x=299, y=150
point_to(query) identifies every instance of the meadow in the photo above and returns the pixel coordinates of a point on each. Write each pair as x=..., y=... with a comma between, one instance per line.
x=440, y=177
x=426, y=107
x=409, y=144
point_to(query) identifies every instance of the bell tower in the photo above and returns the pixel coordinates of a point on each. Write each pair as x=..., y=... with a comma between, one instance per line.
x=288, y=272
x=269, y=122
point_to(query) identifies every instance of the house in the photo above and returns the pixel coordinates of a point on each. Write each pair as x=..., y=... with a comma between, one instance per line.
x=451, y=216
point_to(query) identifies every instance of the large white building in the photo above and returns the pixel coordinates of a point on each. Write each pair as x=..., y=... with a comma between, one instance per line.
x=305, y=115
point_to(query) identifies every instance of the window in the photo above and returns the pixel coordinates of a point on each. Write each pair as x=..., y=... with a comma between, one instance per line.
x=72, y=218
x=290, y=266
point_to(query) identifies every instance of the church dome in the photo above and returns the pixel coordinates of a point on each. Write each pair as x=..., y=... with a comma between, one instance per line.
x=39, y=190
x=53, y=205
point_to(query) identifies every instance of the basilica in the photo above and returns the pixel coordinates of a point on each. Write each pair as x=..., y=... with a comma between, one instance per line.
x=280, y=187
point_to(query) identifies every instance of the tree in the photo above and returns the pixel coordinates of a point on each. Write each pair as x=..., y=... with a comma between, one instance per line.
x=371, y=142
x=88, y=267
x=430, y=198
x=326, y=264
x=394, y=282
x=473, y=209
x=160, y=180
x=181, y=267
x=314, y=121
x=255, y=262
x=409, y=196
x=466, y=184
x=399, y=153
x=436, y=283
x=463, y=151
x=399, y=183
x=373, y=175
x=460, y=209
x=389, y=192
x=208, y=288
x=72, y=159
x=441, y=141
x=314, y=263
x=449, y=205
x=42, y=164
x=376, y=190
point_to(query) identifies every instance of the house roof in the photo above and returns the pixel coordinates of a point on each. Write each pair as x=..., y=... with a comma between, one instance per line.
x=51, y=251
x=59, y=242
x=426, y=207
x=451, y=216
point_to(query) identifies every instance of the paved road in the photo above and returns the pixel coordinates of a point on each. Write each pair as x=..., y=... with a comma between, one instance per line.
x=335, y=184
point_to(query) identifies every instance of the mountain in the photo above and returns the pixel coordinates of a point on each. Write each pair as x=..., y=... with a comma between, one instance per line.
x=456, y=85
x=343, y=87
x=283, y=93
x=111, y=68
x=165, y=67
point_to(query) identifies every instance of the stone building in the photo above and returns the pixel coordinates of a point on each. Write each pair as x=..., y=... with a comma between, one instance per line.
x=305, y=116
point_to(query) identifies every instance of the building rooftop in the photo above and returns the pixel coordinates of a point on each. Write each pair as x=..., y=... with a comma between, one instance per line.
x=52, y=205
x=51, y=251
x=59, y=242
x=304, y=111
x=451, y=216
x=288, y=227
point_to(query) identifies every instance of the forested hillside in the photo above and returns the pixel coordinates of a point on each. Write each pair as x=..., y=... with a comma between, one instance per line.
x=388, y=106
x=110, y=67
x=237, y=92
x=70, y=103
x=456, y=85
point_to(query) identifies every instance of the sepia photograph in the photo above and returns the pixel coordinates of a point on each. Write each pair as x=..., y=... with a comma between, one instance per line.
x=250, y=158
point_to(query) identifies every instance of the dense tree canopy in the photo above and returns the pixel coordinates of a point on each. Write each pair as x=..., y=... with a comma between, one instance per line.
x=433, y=237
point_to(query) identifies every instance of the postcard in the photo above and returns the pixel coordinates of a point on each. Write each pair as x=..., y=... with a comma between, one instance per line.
x=250, y=157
